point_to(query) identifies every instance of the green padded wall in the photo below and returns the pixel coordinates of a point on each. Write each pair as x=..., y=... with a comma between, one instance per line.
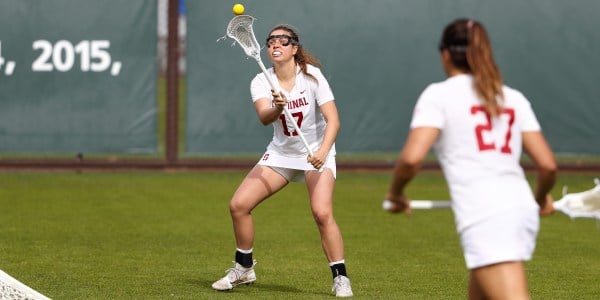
x=379, y=56
x=78, y=76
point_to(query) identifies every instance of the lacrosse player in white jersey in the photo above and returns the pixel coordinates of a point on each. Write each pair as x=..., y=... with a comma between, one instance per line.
x=478, y=128
x=309, y=99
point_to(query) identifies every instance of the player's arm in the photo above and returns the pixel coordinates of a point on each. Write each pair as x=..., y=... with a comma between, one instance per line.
x=539, y=151
x=330, y=113
x=268, y=113
x=417, y=145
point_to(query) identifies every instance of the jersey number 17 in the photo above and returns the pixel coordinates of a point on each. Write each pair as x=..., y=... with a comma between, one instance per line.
x=298, y=116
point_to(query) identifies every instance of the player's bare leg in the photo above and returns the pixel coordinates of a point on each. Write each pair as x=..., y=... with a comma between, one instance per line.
x=320, y=189
x=258, y=185
x=499, y=281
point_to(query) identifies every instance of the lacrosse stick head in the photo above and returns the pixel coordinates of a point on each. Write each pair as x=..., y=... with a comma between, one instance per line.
x=240, y=29
x=585, y=204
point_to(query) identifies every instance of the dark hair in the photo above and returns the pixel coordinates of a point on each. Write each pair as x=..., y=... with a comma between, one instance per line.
x=470, y=50
x=302, y=56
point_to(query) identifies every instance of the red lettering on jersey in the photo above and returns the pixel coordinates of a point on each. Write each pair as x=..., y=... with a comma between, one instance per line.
x=481, y=128
x=511, y=120
x=298, y=116
x=297, y=103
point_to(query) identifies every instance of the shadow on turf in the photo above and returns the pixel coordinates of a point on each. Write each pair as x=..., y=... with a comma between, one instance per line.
x=260, y=286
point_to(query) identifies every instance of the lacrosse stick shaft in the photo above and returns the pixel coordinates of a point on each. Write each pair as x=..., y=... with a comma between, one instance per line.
x=419, y=204
x=560, y=205
x=585, y=204
x=285, y=109
x=429, y=204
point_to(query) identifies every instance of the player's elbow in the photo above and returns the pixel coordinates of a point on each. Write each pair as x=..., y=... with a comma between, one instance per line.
x=410, y=162
x=265, y=122
x=266, y=119
x=549, y=168
x=546, y=171
x=335, y=125
x=547, y=164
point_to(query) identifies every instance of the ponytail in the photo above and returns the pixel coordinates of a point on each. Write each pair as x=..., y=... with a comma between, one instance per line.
x=471, y=51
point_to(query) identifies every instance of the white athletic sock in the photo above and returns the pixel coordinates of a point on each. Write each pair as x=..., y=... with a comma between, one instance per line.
x=244, y=251
x=337, y=262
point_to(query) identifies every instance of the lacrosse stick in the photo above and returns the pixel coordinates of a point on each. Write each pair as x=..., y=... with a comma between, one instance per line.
x=419, y=204
x=10, y=288
x=240, y=29
x=585, y=204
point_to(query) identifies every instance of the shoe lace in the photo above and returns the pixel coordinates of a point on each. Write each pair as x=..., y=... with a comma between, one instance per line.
x=234, y=274
x=339, y=284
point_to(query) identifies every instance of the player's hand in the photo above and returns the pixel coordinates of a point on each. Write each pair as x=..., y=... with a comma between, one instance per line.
x=547, y=208
x=317, y=159
x=401, y=204
x=279, y=100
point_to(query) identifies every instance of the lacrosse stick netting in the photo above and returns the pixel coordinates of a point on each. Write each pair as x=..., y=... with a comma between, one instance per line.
x=585, y=204
x=240, y=29
x=12, y=289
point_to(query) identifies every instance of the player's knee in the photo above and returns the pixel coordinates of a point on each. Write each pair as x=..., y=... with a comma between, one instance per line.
x=237, y=207
x=323, y=217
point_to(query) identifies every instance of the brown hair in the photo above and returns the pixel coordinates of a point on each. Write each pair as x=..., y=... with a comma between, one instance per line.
x=302, y=56
x=471, y=51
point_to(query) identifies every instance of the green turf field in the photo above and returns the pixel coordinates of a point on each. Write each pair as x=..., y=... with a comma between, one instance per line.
x=161, y=235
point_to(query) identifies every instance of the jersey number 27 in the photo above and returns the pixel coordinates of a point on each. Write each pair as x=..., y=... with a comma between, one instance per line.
x=480, y=129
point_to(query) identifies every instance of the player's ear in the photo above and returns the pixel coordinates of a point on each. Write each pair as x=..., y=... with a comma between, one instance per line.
x=446, y=59
x=445, y=54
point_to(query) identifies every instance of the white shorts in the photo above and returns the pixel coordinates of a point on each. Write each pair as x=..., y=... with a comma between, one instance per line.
x=502, y=238
x=293, y=168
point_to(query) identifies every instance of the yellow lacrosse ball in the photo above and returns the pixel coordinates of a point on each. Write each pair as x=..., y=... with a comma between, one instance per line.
x=238, y=9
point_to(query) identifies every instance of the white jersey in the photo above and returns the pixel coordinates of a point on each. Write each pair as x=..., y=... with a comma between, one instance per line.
x=479, y=154
x=303, y=104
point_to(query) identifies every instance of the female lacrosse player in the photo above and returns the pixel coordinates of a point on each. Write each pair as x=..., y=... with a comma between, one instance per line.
x=478, y=127
x=308, y=97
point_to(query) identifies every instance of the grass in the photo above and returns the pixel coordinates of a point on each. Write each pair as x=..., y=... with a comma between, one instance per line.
x=161, y=235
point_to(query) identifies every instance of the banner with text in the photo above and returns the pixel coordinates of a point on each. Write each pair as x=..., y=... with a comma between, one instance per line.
x=78, y=76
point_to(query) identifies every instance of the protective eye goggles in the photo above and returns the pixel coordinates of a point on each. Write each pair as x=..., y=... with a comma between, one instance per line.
x=283, y=39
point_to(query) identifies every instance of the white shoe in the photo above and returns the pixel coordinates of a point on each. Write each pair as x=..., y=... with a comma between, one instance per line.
x=235, y=276
x=341, y=286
